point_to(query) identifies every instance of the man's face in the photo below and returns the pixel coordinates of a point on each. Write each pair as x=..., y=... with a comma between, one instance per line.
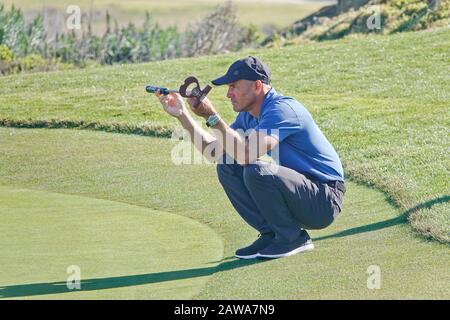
x=242, y=94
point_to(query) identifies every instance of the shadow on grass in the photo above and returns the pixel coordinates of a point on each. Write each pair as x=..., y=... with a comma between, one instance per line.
x=34, y=289
x=386, y=223
x=228, y=263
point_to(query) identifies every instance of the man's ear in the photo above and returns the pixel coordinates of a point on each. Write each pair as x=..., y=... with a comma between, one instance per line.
x=258, y=85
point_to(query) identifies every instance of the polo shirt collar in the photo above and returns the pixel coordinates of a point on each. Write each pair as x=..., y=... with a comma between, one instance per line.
x=267, y=100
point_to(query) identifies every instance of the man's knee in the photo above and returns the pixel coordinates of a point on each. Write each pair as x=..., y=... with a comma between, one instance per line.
x=255, y=172
x=251, y=172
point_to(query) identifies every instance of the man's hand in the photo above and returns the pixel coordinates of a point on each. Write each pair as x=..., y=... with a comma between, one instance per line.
x=203, y=109
x=173, y=104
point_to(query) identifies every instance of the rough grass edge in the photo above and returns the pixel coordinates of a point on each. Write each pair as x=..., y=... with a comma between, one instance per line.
x=144, y=129
x=396, y=198
x=147, y=129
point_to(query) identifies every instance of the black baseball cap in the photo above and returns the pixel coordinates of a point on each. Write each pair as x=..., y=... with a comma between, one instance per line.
x=249, y=68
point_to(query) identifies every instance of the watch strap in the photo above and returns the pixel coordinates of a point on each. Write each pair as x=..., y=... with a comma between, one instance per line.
x=212, y=120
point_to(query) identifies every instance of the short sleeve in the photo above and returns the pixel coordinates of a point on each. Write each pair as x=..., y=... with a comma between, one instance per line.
x=280, y=121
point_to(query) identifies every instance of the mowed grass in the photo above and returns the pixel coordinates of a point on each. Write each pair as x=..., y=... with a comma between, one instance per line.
x=263, y=14
x=381, y=100
x=122, y=251
x=139, y=171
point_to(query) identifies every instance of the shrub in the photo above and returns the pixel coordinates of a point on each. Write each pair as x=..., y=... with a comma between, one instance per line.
x=216, y=33
x=6, y=55
x=32, y=62
x=7, y=64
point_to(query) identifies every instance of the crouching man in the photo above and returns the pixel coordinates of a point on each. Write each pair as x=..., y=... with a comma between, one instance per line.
x=302, y=190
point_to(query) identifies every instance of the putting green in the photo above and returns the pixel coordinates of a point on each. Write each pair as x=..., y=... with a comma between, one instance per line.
x=122, y=251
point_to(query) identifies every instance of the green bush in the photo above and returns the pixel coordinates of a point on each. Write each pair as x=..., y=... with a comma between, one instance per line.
x=6, y=55
x=417, y=8
x=7, y=64
x=33, y=62
x=401, y=4
x=250, y=35
x=441, y=12
x=219, y=32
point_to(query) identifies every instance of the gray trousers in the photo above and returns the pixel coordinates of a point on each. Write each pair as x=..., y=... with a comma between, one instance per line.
x=273, y=198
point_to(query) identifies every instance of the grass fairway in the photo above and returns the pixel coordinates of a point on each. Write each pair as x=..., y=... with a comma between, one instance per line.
x=138, y=170
x=123, y=251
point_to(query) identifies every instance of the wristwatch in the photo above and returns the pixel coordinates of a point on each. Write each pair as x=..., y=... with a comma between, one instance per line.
x=212, y=120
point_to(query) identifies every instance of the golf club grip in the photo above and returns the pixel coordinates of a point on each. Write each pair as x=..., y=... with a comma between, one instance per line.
x=154, y=89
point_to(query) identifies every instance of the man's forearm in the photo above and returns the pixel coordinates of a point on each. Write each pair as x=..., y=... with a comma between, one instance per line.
x=232, y=142
x=200, y=138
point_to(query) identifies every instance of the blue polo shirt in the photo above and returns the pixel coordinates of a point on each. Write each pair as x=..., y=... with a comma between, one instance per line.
x=303, y=147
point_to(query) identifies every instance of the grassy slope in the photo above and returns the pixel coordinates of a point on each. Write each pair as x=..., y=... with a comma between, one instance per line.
x=379, y=99
x=397, y=16
x=138, y=170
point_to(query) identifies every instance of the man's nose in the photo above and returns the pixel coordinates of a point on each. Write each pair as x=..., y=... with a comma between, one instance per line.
x=229, y=94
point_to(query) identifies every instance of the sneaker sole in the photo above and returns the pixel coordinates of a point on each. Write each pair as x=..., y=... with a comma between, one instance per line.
x=253, y=256
x=304, y=248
